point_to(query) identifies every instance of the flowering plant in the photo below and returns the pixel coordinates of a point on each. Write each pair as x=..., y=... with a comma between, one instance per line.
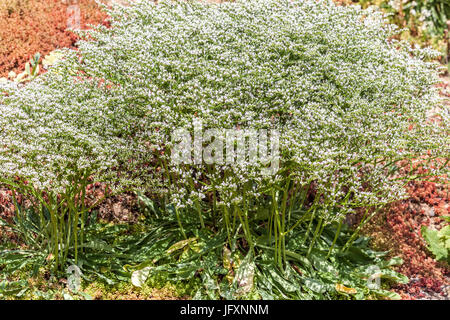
x=348, y=102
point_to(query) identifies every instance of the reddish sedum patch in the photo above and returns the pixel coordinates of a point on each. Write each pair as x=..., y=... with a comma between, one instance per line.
x=6, y=203
x=398, y=230
x=30, y=26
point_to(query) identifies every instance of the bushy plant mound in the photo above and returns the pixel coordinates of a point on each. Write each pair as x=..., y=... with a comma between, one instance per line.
x=347, y=102
x=341, y=94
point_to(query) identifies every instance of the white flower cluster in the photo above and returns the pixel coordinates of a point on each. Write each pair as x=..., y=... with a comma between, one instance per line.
x=346, y=100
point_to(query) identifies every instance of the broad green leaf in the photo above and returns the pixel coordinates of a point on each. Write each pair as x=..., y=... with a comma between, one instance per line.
x=322, y=265
x=388, y=294
x=181, y=244
x=315, y=285
x=444, y=232
x=245, y=275
x=436, y=246
x=395, y=276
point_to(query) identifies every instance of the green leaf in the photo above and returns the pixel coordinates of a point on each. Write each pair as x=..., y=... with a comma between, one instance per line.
x=280, y=281
x=388, y=294
x=395, y=276
x=186, y=271
x=245, y=275
x=444, y=232
x=314, y=285
x=181, y=244
x=322, y=265
x=435, y=245
x=396, y=261
x=148, y=204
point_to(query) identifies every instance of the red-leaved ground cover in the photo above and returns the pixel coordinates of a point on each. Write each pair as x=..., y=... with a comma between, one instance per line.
x=398, y=230
x=31, y=26
x=428, y=202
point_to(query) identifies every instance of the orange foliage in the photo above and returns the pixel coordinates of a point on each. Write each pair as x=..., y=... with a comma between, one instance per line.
x=30, y=26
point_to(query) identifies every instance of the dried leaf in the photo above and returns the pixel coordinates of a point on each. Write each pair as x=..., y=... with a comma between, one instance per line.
x=341, y=288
